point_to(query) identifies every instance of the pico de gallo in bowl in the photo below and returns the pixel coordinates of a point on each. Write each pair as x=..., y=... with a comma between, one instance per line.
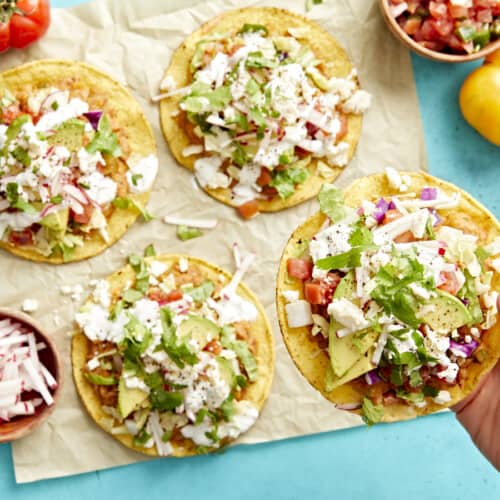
x=446, y=30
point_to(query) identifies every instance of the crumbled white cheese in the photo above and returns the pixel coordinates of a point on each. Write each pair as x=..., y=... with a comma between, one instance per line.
x=299, y=314
x=349, y=315
x=183, y=265
x=442, y=398
x=30, y=305
x=290, y=295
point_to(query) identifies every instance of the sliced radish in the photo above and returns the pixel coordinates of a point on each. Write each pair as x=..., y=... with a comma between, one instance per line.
x=76, y=193
x=199, y=223
x=55, y=100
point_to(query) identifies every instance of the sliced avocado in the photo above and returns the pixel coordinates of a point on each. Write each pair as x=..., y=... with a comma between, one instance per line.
x=363, y=365
x=344, y=353
x=141, y=417
x=226, y=371
x=97, y=379
x=200, y=329
x=449, y=312
x=346, y=287
x=56, y=222
x=69, y=134
x=129, y=399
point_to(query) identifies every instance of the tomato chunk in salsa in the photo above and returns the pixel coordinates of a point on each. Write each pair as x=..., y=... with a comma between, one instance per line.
x=453, y=26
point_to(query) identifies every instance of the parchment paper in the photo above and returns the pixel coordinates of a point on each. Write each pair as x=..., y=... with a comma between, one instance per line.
x=133, y=41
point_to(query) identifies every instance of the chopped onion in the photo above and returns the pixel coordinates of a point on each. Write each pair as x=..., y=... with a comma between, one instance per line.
x=392, y=205
x=463, y=350
x=55, y=100
x=372, y=377
x=428, y=193
x=76, y=193
x=381, y=208
x=21, y=371
x=93, y=117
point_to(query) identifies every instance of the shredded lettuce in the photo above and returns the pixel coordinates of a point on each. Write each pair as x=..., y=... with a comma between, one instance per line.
x=240, y=347
x=201, y=293
x=285, y=180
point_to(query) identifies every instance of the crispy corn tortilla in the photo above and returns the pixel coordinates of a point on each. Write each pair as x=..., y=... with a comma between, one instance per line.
x=336, y=63
x=256, y=392
x=470, y=216
x=127, y=119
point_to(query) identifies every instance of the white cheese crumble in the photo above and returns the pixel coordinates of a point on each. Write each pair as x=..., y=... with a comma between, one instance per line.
x=30, y=305
x=299, y=314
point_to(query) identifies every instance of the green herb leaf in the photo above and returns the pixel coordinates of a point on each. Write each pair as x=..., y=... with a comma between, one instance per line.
x=185, y=233
x=141, y=273
x=141, y=438
x=104, y=140
x=150, y=251
x=371, y=413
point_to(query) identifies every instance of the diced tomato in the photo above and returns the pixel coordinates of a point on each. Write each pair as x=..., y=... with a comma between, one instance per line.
x=311, y=129
x=10, y=113
x=299, y=268
x=438, y=10
x=443, y=26
x=390, y=398
x=484, y=16
x=458, y=11
x=450, y=284
x=313, y=293
x=405, y=237
x=486, y=4
x=83, y=218
x=249, y=209
x=454, y=43
x=164, y=298
x=301, y=153
x=265, y=177
x=427, y=32
x=343, y=127
x=21, y=238
x=321, y=292
x=268, y=191
x=412, y=25
x=214, y=346
x=391, y=215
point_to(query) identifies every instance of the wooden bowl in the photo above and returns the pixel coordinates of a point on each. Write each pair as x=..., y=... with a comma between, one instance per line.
x=21, y=426
x=431, y=54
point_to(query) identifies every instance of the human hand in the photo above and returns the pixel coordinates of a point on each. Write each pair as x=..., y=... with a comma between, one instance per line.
x=479, y=413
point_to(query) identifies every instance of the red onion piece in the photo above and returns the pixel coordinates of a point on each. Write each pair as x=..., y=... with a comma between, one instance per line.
x=381, y=208
x=372, y=377
x=428, y=193
x=93, y=117
x=463, y=350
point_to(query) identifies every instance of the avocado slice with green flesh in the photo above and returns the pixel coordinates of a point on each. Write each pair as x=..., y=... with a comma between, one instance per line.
x=200, y=329
x=361, y=366
x=69, y=134
x=129, y=399
x=226, y=371
x=449, y=312
x=343, y=353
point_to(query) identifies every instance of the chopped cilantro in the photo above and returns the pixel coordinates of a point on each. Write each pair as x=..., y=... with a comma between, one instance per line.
x=104, y=140
x=141, y=273
x=149, y=251
x=185, y=233
x=141, y=438
x=167, y=435
x=136, y=178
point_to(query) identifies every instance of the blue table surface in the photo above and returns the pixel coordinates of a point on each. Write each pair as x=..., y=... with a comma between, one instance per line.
x=427, y=458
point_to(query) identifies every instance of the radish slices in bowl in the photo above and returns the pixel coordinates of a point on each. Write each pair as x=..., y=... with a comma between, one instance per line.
x=30, y=375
